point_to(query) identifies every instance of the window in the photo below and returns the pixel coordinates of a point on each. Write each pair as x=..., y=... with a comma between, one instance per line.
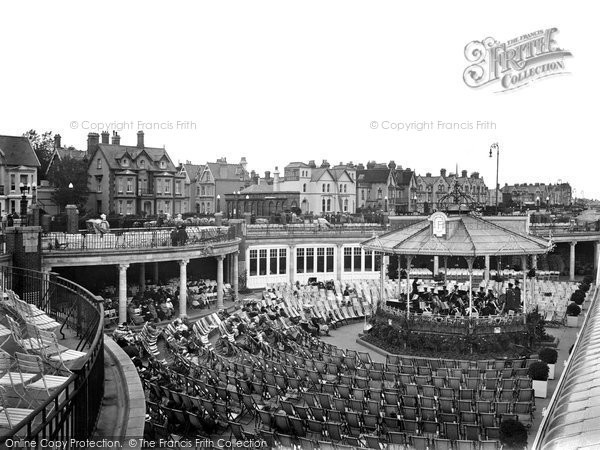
x=125, y=162
x=345, y=188
x=208, y=208
x=99, y=163
x=120, y=186
x=262, y=262
x=177, y=187
x=98, y=186
x=120, y=205
x=328, y=187
x=345, y=205
x=323, y=205
x=129, y=185
x=24, y=180
x=273, y=261
x=300, y=260
x=163, y=164
x=323, y=187
x=203, y=190
x=197, y=190
x=341, y=187
x=13, y=181
x=142, y=163
x=304, y=187
x=357, y=264
x=282, y=261
x=159, y=186
x=167, y=186
x=320, y=259
x=253, y=262
x=129, y=207
x=168, y=206
x=369, y=261
x=379, y=193
x=348, y=259
x=310, y=260
x=378, y=261
x=329, y=260
x=328, y=204
x=362, y=194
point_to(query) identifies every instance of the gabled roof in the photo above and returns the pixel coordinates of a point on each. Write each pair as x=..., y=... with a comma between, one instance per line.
x=465, y=236
x=192, y=171
x=71, y=153
x=17, y=151
x=376, y=175
x=114, y=153
x=231, y=171
x=338, y=173
x=403, y=177
x=297, y=164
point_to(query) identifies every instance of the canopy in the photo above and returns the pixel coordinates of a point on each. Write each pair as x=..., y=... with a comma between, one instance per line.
x=466, y=235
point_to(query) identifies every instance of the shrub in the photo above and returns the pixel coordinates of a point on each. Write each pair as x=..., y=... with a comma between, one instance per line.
x=548, y=355
x=588, y=279
x=573, y=310
x=538, y=371
x=578, y=297
x=513, y=434
x=585, y=287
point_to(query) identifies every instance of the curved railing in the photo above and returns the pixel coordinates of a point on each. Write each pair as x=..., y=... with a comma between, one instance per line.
x=72, y=410
x=136, y=239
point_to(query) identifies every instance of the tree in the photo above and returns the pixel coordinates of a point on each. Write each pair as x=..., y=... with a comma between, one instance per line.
x=43, y=146
x=61, y=174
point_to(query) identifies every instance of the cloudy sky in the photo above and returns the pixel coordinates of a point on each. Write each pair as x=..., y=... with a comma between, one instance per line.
x=280, y=81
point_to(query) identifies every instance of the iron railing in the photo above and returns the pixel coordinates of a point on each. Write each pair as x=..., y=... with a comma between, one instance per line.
x=137, y=238
x=71, y=412
x=350, y=230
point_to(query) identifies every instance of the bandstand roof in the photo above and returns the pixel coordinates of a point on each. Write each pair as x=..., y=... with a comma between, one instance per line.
x=466, y=235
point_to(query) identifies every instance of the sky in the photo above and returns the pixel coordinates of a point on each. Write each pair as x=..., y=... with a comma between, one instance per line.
x=280, y=81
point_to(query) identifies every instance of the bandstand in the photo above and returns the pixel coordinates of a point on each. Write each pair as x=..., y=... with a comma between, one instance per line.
x=464, y=235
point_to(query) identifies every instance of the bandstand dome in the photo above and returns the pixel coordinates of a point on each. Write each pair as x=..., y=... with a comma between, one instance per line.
x=463, y=235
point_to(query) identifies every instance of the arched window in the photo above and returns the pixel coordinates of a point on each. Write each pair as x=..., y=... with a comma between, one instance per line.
x=346, y=205
x=304, y=187
x=345, y=188
x=323, y=187
x=323, y=205
x=328, y=187
x=202, y=208
x=379, y=193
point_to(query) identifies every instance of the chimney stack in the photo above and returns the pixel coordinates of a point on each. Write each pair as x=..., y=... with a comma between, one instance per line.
x=276, y=180
x=325, y=164
x=116, y=139
x=443, y=173
x=464, y=174
x=392, y=165
x=312, y=164
x=140, y=139
x=105, y=136
x=57, y=141
x=92, y=143
x=244, y=163
x=267, y=176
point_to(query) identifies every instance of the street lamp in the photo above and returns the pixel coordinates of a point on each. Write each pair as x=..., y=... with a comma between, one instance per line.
x=24, y=191
x=537, y=203
x=246, y=204
x=547, y=203
x=386, y=203
x=218, y=202
x=496, y=147
x=415, y=203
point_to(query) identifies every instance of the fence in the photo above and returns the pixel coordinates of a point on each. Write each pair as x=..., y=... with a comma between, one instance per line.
x=72, y=410
x=311, y=229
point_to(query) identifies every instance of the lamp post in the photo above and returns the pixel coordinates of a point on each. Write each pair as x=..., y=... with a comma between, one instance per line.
x=537, y=203
x=385, y=200
x=24, y=191
x=496, y=147
x=218, y=202
x=547, y=203
x=415, y=203
x=246, y=203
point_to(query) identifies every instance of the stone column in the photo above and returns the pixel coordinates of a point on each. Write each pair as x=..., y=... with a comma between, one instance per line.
x=534, y=261
x=340, y=262
x=486, y=273
x=572, y=261
x=123, y=292
x=220, y=281
x=155, y=273
x=408, y=261
x=292, y=263
x=142, y=277
x=470, y=260
x=183, y=287
x=436, y=265
x=399, y=277
x=235, y=275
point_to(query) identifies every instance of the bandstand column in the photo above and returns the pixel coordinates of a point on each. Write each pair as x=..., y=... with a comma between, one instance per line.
x=236, y=277
x=524, y=292
x=183, y=287
x=142, y=277
x=470, y=260
x=123, y=292
x=486, y=273
x=436, y=265
x=340, y=262
x=534, y=261
x=382, y=271
x=399, y=277
x=445, y=270
x=220, y=282
x=408, y=296
x=572, y=261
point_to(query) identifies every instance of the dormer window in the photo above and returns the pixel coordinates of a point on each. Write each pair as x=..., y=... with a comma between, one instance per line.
x=163, y=164
x=125, y=162
x=142, y=163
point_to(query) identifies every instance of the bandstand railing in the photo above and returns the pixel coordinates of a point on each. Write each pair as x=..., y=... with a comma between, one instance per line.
x=441, y=324
x=71, y=412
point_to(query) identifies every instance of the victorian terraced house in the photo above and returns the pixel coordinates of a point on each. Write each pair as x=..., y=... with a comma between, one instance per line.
x=18, y=168
x=133, y=180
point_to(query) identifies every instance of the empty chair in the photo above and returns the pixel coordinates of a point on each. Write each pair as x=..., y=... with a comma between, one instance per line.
x=47, y=383
x=10, y=418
